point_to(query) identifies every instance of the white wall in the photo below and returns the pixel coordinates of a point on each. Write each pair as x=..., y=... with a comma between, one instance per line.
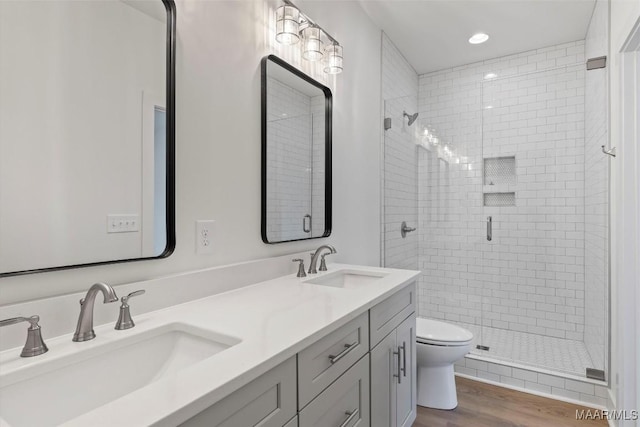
x=219, y=48
x=625, y=171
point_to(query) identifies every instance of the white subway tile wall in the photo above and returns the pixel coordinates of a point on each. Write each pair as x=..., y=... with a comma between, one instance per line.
x=399, y=91
x=530, y=277
x=596, y=195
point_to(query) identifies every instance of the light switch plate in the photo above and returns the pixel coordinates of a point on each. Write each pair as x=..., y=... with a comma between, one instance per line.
x=123, y=223
x=204, y=236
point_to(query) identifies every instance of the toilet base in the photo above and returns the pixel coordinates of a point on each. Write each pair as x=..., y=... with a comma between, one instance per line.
x=437, y=387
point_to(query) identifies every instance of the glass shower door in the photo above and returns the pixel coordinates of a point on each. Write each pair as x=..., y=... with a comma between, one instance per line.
x=543, y=193
x=445, y=162
x=401, y=230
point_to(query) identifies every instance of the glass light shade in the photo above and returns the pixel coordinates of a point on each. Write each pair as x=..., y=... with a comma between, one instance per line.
x=333, y=54
x=287, y=25
x=312, y=44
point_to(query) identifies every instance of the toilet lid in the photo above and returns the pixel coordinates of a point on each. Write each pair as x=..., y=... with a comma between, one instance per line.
x=435, y=332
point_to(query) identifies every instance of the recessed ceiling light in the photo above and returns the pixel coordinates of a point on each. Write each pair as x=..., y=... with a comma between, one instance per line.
x=478, y=38
x=490, y=76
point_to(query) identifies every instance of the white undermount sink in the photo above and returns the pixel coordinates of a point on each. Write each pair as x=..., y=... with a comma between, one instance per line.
x=80, y=382
x=348, y=279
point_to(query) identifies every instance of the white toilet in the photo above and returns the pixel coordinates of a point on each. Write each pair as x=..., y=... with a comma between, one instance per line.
x=439, y=345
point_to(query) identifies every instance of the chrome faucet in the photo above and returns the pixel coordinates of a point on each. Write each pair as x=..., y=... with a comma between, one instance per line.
x=316, y=255
x=84, y=330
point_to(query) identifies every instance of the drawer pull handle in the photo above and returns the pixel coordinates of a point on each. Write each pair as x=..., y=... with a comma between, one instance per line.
x=397, y=354
x=343, y=353
x=404, y=358
x=351, y=415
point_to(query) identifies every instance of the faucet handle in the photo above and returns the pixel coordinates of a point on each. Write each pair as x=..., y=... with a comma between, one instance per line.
x=33, y=321
x=131, y=295
x=323, y=263
x=301, y=272
x=124, y=319
x=34, y=346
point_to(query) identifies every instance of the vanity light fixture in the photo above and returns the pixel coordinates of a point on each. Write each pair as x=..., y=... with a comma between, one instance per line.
x=293, y=25
x=312, y=43
x=478, y=38
x=287, y=25
x=333, y=64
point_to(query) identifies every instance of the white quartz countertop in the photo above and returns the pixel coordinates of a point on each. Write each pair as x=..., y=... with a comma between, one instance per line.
x=273, y=320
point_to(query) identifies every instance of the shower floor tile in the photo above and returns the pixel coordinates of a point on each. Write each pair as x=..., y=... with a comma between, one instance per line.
x=554, y=354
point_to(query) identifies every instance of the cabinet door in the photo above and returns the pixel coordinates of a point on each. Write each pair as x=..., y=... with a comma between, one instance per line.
x=344, y=404
x=406, y=388
x=268, y=401
x=384, y=365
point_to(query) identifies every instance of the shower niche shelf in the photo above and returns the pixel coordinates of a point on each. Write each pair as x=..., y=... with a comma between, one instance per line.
x=499, y=179
x=500, y=171
x=500, y=199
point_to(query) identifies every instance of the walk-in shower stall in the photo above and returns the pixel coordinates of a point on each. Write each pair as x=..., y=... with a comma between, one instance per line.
x=504, y=177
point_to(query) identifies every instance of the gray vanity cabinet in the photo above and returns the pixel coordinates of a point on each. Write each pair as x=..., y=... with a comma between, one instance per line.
x=393, y=360
x=387, y=315
x=359, y=375
x=406, y=390
x=324, y=361
x=393, y=386
x=343, y=403
x=383, y=385
x=268, y=401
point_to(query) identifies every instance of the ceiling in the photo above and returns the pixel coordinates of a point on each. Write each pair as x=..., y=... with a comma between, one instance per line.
x=433, y=34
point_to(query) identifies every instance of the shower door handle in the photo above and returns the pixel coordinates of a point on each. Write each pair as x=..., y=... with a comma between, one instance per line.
x=306, y=227
x=489, y=228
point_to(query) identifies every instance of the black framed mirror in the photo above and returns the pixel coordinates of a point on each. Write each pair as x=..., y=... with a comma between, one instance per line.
x=87, y=134
x=296, y=154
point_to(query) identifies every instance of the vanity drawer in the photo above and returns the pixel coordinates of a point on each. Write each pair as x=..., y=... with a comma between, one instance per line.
x=268, y=401
x=325, y=360
x=386, y=316
x=346, y=399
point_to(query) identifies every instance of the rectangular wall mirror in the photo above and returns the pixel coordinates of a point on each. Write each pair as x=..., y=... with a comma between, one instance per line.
x=86, y=133
x=296, y=154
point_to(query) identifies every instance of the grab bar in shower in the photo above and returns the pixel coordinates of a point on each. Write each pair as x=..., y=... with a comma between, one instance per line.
x=489, y=228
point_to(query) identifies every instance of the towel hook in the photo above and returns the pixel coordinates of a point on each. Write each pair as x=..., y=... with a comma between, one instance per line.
x=611, y=152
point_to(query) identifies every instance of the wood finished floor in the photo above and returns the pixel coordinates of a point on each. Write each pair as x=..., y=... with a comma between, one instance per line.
x=485, y=405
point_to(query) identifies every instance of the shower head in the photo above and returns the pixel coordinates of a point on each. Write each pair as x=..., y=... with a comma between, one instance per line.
x=412, y=117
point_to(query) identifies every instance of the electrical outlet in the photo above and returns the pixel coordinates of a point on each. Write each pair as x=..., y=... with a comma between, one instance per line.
x=117, y=223
x=204, y=236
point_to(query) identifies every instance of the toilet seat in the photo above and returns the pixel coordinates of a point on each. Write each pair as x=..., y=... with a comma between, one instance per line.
x=433, y=332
